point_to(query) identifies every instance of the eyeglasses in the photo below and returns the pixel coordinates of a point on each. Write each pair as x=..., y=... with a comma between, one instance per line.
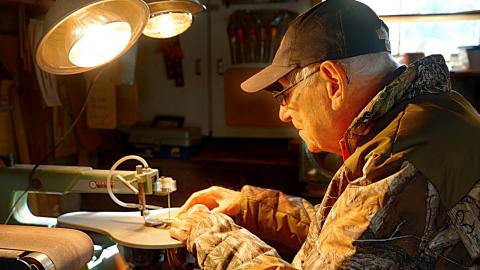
x=282, y=96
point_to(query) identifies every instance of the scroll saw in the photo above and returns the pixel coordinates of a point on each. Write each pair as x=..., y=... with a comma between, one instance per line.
x=144, y=229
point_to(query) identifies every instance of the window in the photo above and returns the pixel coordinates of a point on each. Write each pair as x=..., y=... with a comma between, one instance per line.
x=430, y=26
x=393, y=7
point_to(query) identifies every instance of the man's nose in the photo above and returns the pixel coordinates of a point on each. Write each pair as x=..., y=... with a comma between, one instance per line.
x=284, y=114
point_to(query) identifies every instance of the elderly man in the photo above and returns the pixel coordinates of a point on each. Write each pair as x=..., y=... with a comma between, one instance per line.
x=407, y=195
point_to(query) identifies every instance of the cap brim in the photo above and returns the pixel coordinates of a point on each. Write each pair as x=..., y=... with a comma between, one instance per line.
x=265, y=78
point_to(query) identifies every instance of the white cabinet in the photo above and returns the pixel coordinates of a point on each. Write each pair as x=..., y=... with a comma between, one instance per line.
x=204, y=100
x=160, y=96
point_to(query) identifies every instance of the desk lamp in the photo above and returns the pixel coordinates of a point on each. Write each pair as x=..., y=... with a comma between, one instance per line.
x=170, y=18
x=81, y=35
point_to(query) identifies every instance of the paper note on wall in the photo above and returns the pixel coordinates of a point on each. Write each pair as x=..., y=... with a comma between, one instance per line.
x=102, y=105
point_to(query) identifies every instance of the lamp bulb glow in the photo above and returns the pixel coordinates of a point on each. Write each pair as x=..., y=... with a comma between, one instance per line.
x=168, y=24
x=100, y=44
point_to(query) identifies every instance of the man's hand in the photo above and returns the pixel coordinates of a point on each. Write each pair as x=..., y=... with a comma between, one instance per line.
x=184, y=222
x=216, y=199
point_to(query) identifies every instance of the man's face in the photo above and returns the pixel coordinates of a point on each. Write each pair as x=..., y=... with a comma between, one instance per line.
x=310, y=113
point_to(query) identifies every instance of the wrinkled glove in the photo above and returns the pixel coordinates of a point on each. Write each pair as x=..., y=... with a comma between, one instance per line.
x=182, y=225
x=219, y=243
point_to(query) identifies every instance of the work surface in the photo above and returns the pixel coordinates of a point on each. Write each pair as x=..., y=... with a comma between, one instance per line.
x=125, y=228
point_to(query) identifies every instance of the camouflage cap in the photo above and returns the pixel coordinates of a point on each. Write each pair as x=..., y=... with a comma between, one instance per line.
x=331, y=30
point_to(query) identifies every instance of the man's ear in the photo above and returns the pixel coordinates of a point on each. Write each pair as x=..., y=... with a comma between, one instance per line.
x=336, y=83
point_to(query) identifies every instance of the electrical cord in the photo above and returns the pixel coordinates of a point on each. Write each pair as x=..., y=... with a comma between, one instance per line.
x=55, y=147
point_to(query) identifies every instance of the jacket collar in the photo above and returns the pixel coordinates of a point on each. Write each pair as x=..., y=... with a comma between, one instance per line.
x=428, y=75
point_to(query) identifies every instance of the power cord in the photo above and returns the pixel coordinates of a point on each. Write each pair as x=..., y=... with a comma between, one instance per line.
x=62, y=139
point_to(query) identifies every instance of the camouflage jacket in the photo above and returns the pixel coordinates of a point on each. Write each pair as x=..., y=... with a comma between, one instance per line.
x=407, y=197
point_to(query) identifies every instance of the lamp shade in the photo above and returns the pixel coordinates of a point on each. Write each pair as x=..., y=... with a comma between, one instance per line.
x=81, y=35
x=169, y=18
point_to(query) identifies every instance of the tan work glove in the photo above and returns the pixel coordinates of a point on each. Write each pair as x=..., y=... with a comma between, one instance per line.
x=216, y=199
x=182, y=225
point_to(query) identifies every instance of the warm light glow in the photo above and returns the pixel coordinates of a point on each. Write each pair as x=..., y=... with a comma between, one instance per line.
x=100, y=44
x=168, y=24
